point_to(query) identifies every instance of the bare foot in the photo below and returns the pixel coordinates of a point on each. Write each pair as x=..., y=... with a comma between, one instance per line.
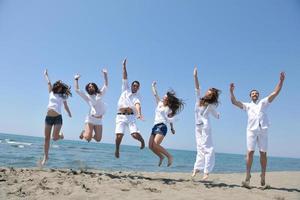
x=246, y=183
x=81, y=135
x=160, y=161
x=170, y=161
x=195, y=172
x=43, y=162
x=205, y=177
x=61, y=136
x=117, y=154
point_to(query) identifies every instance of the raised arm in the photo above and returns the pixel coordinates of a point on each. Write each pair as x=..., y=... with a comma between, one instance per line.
x=154, y=91
x=197, y=86
x=233, y=99
x=124, y=69
x=278, y=87
x=104, y=71
x=67, y=108
x=48, y=80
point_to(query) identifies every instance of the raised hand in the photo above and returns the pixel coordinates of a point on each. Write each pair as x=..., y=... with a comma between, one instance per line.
x=282, y=76
x=77, y=76
x=46, y=72
x=104, y=71
x=124, y=62
x=154, y=84
x=232, y=87
x=195, y=71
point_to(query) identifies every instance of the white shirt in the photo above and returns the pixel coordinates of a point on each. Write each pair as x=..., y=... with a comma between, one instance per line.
x=257, y=117
x=161, y=114
x=127, y=98
x=55, y=102
x=97, y=106
x=202, y=112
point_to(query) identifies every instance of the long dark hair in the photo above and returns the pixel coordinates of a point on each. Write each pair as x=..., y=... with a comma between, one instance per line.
x=97, y=91
x=175, y=104
x=65, y=91
x=213, y=99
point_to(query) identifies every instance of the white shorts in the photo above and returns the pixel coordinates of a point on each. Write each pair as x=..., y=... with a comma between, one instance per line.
x=126, y=121
x=260, y=137
x=93, y=120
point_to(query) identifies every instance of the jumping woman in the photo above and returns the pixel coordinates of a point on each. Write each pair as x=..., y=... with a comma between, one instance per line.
x=58, y=95
x=204, y=107
x=165, y=111
x=93, y=97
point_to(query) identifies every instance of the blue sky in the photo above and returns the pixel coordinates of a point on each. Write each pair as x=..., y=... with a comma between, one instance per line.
x=245, y=42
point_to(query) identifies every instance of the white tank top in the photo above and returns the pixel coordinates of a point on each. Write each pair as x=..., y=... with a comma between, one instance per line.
x=55, y=102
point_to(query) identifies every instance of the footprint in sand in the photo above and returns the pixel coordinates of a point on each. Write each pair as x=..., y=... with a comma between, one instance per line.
x=153, y=190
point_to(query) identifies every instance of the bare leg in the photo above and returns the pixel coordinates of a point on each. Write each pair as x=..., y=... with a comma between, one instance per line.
x=119, y=137
x=56, y=131
x=263, y=163
x=88, y=132
x=248, y=165
x=156, y=145
x=98, y=133
x=161, y=157
x=138, y=137
x=47, y=133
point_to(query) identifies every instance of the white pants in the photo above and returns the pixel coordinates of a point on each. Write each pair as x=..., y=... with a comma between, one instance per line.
x=260, y=137
x=205, y=159
x=126, y=121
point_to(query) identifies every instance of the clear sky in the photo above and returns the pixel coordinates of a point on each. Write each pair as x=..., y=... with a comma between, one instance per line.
x=245, y=42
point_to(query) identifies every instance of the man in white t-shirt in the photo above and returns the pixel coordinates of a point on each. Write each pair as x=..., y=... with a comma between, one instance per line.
x=129, y=108
x=257, y=128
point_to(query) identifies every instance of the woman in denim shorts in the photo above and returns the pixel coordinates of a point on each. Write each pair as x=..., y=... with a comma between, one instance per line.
x=58, y=94
x=165, y=111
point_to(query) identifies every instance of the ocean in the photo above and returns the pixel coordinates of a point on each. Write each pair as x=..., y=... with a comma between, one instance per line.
x=25, y=151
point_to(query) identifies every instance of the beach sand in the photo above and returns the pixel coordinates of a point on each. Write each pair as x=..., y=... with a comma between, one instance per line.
x=35, y=183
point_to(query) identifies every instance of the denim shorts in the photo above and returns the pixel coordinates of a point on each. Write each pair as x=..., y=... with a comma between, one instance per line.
x=57, y=120
x=160, y=128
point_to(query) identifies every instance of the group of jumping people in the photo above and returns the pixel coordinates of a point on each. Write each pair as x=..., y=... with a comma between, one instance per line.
x=129, y=110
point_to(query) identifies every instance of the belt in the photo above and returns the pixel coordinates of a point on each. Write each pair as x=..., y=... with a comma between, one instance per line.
x=97, y=116
x=125, y=113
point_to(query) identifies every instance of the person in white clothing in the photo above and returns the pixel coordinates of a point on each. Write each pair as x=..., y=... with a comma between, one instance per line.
x=58, y=94
x=204, y=107
x=129, y=108
x=94, y=98
x=165, y=111
x=257, y=128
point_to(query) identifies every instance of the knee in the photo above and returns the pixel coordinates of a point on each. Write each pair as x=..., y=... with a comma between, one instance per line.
x=263, y=154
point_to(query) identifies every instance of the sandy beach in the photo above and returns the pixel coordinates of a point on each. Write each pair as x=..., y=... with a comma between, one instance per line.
x=34, y=183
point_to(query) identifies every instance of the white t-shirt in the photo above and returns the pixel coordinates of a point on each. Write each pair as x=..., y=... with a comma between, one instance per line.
x=202, y=112
x=161, y=114
x=55, y=102
x=97, y=106
x=127, y=98
x=257, y=116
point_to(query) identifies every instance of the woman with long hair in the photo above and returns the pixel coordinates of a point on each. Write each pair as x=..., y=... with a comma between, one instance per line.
x=204, y=107
x=93, y=96
x=165, y=111
x=58, y=95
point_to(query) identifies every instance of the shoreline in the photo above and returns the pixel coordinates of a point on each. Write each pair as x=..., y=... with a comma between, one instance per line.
x=35, y=183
